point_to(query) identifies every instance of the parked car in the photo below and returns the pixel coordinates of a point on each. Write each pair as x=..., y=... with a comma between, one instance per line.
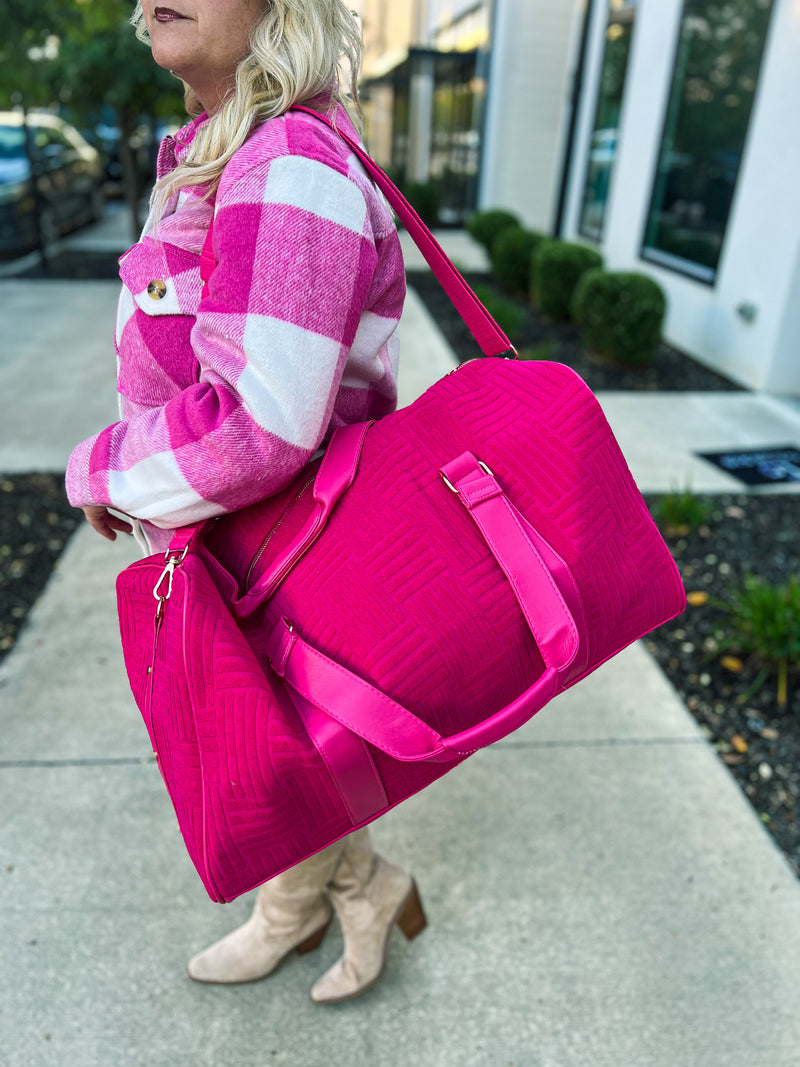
x=107, y=139
x=68, y=173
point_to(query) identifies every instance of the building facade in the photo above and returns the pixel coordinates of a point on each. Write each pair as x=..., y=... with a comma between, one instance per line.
x=685, y=163
x=664, y=133
x=450, y=102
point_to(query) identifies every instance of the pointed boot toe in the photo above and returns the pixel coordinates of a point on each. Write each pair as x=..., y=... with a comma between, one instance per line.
x=367, y=925
x=339, y=983
x=292, y=913
x=253, y=951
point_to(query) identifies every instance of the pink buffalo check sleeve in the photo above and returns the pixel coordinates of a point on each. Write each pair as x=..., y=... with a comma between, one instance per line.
x=224, y=401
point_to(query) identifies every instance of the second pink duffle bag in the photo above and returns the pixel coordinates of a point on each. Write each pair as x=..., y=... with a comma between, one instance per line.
x=421, y=591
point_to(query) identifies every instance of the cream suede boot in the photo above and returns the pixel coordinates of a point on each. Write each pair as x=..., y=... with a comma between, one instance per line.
x=370, y=897
x=291, y=912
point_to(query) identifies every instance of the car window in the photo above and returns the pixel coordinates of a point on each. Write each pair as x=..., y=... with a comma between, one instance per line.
x=12, y=142
x=47, y=135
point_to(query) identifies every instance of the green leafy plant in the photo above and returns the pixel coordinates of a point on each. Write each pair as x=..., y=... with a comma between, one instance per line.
x=620, y=314
x=681, y=510
x=555, y=272
x=484, y=226
x=508, y=316
x=512, y=256
x=763, y=621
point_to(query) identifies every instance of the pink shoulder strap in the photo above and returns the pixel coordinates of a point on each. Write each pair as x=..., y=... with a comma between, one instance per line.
x=207, y=259
x=484, y=329
x=490, y=338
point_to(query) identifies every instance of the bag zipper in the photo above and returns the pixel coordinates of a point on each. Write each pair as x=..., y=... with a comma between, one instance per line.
x=281, y=518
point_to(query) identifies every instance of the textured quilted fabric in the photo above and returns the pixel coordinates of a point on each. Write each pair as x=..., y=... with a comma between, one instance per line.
x=400, y=589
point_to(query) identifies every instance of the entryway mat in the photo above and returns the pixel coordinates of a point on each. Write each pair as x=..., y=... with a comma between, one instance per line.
x=758, y=466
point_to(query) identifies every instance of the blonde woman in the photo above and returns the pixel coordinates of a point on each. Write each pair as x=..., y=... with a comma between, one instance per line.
x=222, y=403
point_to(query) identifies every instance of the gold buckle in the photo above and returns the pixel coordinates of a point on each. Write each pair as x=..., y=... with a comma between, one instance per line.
x=450, y=485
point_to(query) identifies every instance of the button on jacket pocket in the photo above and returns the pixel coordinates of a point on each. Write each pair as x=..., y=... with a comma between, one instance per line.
x=163, y=279
x=157, y=289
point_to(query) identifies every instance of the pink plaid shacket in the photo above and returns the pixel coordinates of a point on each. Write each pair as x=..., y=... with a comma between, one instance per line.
x=223, y=403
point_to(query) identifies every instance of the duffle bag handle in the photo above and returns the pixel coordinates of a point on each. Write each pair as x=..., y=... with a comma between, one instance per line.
x=359, y=706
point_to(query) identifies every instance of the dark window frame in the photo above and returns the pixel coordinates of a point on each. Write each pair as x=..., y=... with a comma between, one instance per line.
x=665, y=260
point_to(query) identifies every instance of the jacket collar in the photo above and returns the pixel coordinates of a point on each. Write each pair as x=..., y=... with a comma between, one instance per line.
x=174, y=148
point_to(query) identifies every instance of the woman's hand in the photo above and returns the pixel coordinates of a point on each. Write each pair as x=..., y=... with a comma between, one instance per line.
x=106, y=524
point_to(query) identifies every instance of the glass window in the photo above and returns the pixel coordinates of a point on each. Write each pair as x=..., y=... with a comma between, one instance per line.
x=12, y=142
x=458, y=99
x=605, y=130
x=716, y=73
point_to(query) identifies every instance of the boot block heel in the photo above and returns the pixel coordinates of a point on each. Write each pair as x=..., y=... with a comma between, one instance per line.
x=314, y=941
x=412, y=920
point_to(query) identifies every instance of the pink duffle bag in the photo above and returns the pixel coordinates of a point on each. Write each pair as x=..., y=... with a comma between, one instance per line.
x=421, y=591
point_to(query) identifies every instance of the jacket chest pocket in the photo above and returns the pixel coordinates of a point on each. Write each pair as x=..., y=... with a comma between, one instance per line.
x=163, y=279
x=157, y=309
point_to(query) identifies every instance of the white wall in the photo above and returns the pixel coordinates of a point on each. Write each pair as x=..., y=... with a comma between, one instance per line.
x=533, y=56
x=760, y=263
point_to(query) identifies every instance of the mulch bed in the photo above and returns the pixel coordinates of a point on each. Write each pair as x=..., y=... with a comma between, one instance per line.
x=36, y=521
x=670, y=371
x=758, y=742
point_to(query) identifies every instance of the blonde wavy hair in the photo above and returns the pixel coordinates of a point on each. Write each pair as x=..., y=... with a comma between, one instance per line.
x=296, y=51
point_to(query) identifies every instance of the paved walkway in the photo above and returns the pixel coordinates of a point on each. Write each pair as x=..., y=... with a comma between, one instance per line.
x=600, y=894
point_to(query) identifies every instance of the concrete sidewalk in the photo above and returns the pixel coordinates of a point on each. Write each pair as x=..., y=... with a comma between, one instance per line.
x=600, y=893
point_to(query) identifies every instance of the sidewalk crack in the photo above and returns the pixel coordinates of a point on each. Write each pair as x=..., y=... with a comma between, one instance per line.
x=603, y=742
x=110, y=761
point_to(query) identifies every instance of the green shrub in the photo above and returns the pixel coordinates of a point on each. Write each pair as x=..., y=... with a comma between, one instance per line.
x=484, y=226
x=512, y=255
x=764, y=622
x=682, y=510
x=557, y=268
x=619, y=314
x=506, y=314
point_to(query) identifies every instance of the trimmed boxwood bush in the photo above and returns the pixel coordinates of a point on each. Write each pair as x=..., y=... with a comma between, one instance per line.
x=508, y=315
x=619, y=314
x=484, y=226
x=512, y=256
x=557, y=269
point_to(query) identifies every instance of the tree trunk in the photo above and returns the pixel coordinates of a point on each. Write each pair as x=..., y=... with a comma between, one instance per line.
x=130, y=172
x=38, y=205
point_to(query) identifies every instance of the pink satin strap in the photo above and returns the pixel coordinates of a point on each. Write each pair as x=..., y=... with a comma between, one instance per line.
x=349, y=699
x=335, y=476
x=207, y=258
x=337, y=472
x=499, y=522
x=490, y=338
x=358, y=706
x=182, y=538
x=348, y=760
